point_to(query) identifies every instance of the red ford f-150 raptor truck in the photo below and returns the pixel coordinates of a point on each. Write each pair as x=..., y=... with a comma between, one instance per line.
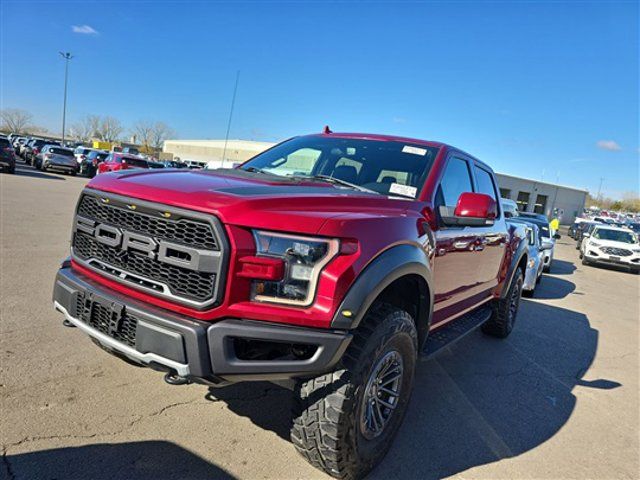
x=333, y=260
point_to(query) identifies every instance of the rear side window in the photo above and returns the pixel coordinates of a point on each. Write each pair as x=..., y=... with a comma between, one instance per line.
x=456, y=181
x=485, y=182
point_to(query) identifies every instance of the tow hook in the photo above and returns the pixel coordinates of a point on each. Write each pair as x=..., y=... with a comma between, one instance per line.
x=173, y=378
x=67, y=323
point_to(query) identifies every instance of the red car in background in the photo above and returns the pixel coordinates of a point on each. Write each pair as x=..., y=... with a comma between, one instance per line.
x=122, y=161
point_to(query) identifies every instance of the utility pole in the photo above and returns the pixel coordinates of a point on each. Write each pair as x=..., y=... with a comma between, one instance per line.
x=67, y=56
x=600, y=188
x=233, y=102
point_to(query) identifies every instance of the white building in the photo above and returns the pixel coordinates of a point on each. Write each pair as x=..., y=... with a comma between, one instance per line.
x=543, y=197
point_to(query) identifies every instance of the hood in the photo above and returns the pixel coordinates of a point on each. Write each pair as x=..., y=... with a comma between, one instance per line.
x=614, y=244
x=251, y=199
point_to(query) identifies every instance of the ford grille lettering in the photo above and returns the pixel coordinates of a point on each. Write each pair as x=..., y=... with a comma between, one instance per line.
x=161, y=250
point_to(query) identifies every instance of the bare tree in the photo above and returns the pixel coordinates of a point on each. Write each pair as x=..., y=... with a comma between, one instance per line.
x=15, y=120
x=94, y=122
x=110, y=129
x=160, y=132
x=85, y=129
x=143, y=130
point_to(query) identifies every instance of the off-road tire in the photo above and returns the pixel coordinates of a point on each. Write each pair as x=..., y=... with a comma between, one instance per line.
x=580, y=255
x=327, y=411
x=504, y=310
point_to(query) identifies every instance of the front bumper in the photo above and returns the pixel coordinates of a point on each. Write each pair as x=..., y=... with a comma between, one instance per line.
x=6, y=163
x=201, y=351
x=530, y=277
x=594, y=255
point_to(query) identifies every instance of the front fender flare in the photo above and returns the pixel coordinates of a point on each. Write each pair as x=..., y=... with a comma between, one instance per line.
x=521, y=251
x=382, y=271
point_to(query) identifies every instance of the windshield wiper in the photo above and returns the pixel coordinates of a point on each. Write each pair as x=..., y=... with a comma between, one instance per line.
x=337, y=181
x=256, y=170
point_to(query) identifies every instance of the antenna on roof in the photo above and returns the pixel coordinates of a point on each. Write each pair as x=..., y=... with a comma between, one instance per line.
x=233, y=102
x=326, y=130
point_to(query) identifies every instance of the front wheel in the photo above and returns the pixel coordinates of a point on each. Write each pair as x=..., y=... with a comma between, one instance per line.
x=345, y=421
x=505, y=310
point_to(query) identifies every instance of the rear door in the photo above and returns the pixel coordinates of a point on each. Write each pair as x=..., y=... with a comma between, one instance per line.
x=491, y=238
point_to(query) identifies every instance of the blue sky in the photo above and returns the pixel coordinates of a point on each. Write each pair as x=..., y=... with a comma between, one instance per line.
x=533, y=88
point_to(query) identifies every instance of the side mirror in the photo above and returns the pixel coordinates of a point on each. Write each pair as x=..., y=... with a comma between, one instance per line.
x=557, y=236
x=472, y=209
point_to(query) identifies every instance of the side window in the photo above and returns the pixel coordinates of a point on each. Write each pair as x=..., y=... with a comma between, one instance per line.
x=456, y=180
x=485, y=183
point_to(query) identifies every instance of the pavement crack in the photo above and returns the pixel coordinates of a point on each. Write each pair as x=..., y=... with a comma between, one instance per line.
x=7, y=465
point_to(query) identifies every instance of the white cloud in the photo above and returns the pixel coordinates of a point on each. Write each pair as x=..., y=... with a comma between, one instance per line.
x=610, y=145
x=84, y=29
x=399, y=120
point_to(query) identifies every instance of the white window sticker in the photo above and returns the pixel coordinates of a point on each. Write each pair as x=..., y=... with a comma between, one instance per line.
x=406, y=190
x=414, y=150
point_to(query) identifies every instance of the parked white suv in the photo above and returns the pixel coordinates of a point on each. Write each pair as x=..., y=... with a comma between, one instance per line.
x=612, y=245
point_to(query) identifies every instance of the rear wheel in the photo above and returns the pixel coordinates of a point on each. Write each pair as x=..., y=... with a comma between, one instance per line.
x=345, y=421
x=505, y=310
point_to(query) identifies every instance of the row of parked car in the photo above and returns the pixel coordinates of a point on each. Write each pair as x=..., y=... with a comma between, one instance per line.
x=600, y=240
x=47, y=154
x=542, y=241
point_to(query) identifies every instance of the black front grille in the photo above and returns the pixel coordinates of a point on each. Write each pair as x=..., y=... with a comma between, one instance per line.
x=198, y=286
x=160, y=224
x=618, y=252
x=190, y=232
x=121, y=327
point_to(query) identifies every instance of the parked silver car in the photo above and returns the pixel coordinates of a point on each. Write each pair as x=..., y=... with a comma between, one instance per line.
x=547, y=237
x=537, y=251
x=59, y=158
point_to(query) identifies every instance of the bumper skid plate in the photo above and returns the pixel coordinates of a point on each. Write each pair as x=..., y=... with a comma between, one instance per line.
x=193, y=349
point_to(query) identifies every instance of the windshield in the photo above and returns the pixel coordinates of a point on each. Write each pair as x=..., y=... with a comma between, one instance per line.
x=543, y=227
x=614, y=235
x=386, y=167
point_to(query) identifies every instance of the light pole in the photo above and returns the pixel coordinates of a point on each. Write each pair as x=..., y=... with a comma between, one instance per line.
x=67, y=56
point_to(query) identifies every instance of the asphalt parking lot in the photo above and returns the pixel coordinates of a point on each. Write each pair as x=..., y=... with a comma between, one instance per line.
x=558, y=399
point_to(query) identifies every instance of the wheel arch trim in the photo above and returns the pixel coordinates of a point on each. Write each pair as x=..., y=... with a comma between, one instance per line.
x=390, y=265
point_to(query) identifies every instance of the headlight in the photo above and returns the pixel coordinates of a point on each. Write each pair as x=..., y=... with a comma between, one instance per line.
x=636, y=250
x=303, y=257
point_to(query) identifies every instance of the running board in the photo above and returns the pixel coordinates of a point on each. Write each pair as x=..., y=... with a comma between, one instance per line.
x=456, y=329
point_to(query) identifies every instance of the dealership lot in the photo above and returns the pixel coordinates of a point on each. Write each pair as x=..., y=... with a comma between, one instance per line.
x=558, y=399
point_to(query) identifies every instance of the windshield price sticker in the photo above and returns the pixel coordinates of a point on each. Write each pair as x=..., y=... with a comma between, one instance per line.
x=414, y=150
x=406, y=190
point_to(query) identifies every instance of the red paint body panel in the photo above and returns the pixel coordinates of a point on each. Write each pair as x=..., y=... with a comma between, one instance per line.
x=366, y=225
